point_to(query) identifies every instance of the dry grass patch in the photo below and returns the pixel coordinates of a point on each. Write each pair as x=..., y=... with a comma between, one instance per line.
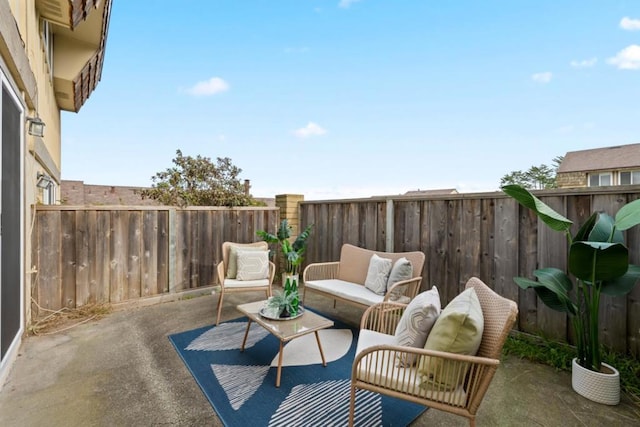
x=66, y=318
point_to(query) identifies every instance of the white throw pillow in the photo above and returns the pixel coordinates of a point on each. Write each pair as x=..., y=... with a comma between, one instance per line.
x=253, y=265
x=378, y=274
x=416, y=322
x=402, y=270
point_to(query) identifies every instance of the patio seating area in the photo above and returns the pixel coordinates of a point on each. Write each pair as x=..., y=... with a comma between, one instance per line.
x=122, y=370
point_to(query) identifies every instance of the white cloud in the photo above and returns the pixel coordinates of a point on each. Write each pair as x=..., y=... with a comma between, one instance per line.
x=630, y=24
x=627, y=59
x=542, y=77
x=585, y=63
x=311, y=129
x=209, y=87
x=345, y=4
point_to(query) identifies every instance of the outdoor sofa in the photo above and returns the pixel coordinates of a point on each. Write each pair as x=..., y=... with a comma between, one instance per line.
x=345, y=280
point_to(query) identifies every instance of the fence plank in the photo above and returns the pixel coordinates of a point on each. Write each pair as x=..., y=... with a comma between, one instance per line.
x=68, y=258
x=118, y=284
x=506, y=248
x=135, y=255
x=470, y=236
x=82, y=258
x=48, y=273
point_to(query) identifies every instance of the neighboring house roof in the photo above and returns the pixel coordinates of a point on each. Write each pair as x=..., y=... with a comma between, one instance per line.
x=431, y=192
x=607, y=158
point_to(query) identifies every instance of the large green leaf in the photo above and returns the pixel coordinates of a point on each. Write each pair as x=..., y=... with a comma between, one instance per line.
x=597, y=261
x=628, y=216
x=622, y=285
x=550, y=217
x=552, y=288
x=602, y=229
x=585, y=230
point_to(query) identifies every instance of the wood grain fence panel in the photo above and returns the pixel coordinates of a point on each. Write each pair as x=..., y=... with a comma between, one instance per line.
x=103, y=257
x=425, y=244
x=380, y=226
x=613, y=310
x=368, y=226
x=150, y=246
x=506, y=248
x=134, y=255
x=470, y=238
x=439, y=257
x=552, y=252
x=82, y=258
x=454, y=220
x=337, y=232
x=408, y=222
x=350, y=220
x=528, y=262
x=633, y=298
x=48, y=273
x=203, y=260
x=183, y=249
x=119, y=286
x=163, y=253
x=487, y=244
x=68, y=259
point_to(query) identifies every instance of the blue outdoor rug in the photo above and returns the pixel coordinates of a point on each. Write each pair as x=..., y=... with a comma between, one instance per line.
x=241, y=385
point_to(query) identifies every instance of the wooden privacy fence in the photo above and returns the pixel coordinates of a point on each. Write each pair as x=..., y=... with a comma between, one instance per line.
x=88, y=255
x=486, y=235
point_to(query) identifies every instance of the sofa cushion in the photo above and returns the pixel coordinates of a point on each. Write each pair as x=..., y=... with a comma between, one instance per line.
x=378, y=274
x=401, y=270
x=458, y=330
x=416, y=322
x=346, y=290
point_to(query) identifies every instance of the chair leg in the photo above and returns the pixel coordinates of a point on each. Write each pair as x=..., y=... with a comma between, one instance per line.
x=219, y=307
x=352, y=405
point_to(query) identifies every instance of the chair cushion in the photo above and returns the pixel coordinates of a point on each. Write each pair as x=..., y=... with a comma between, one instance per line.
x=401, y=270
x=232, y=266
x=458, y=329
x=376, y=368
x=416, y=322
x=378, y=274
x=237, y=284
x=252, y=265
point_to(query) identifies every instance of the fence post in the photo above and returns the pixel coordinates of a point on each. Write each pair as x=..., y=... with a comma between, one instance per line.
x=288, y=205
x=172, y=277
x=389, y=231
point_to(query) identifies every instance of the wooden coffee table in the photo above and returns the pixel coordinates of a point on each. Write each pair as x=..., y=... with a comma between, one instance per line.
x=285, y=330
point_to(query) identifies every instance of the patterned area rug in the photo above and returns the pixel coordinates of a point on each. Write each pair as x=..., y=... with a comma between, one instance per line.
x=241, y=385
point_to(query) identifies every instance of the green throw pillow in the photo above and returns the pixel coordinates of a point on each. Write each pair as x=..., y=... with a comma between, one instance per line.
x=458, y=330
x=232, y=268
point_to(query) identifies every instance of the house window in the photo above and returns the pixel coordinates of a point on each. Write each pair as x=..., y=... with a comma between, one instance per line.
x=49, y=195
x=47, y=44
x=600, y=179
x=629, y=177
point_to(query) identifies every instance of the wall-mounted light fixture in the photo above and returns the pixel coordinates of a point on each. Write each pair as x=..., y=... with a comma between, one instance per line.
x=36, y=126
x=44, y=181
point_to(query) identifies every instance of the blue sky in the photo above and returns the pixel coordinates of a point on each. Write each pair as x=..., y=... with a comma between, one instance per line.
x=354, y=98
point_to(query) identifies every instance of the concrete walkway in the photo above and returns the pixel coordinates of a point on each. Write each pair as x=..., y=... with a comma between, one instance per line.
x=122, y=370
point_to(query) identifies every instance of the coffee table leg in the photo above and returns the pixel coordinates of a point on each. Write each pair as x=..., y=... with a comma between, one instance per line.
x=246, y=334
x=324, y=362
x=279, y=365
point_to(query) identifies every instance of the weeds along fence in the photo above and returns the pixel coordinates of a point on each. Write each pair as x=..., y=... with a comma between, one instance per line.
x=112, y=254
x=487, y=235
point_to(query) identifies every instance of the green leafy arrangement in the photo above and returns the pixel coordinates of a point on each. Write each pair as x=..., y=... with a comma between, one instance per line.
x=293, y=252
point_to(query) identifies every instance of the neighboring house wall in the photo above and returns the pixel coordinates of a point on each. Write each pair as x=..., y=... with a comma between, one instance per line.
x=77, y=193
x=51, y=55
x=617, y=165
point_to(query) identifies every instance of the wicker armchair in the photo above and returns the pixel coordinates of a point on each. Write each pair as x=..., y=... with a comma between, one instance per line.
x=375, y=367
x=232, y=285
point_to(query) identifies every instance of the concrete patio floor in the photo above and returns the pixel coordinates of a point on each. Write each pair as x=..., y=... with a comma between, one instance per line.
x=122, y=370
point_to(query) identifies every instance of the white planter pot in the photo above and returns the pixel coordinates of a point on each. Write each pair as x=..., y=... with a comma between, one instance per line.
x=596, y=386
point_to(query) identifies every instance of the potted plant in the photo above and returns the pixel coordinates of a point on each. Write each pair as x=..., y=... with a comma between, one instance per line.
x=599, y=262
x=293, y=253
x=285, y=303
